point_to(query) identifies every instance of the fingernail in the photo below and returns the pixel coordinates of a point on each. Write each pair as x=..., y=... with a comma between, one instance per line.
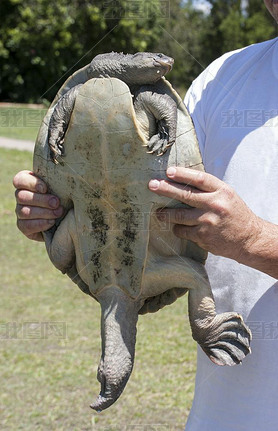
x=58, y=212
x=154, y=184
x=51, y=222
x=53, y=202
x=40, y=188
x=171, y=172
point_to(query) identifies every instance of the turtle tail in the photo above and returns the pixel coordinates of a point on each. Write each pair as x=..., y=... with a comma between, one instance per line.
x=118, y=331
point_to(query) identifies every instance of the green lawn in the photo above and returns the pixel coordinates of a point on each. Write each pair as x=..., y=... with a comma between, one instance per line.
x=50, y=344
x=20, y=122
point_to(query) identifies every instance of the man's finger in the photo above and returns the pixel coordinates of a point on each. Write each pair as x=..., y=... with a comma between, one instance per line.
x=191, y=177
x=24, y=197
x=180, y=192
x=26, y=180
x=186, y=232
x=30, y=227
x=24, y=212
x=181, y=216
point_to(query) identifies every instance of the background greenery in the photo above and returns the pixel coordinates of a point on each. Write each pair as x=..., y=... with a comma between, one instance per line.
x=43, y=41
x=48, y=381
x=21, y=122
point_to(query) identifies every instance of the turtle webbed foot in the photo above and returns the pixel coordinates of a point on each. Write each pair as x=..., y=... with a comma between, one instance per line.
x=228, y=339
x=160, y=141
x=56, y=146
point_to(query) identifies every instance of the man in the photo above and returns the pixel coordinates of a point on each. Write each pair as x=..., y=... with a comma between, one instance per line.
x=234, y=106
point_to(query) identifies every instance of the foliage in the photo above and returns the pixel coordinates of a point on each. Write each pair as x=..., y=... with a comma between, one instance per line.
x=50, y=344
x=43, y=41
x=181, y=39
x=230, y=26
x=259, y=23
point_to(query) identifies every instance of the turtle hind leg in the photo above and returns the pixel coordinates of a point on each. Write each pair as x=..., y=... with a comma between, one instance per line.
x=59, y=121
x=223, y=337
x=155, y=303
x=226, y=340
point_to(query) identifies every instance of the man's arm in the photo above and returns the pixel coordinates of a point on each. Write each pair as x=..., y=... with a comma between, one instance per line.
x=36, y=210
x=220, y=222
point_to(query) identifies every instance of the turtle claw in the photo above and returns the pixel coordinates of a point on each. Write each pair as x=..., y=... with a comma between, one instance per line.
x=159, y=143
x=159, y=140
x=165, y=147
x=59, y=121
x=56, y=150
x=156, y=145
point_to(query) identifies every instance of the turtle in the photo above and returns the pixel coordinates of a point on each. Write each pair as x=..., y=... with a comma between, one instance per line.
x=109, y=240
x=140, y=71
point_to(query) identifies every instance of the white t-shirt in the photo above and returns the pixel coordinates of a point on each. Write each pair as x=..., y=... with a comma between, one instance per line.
x=234, y=106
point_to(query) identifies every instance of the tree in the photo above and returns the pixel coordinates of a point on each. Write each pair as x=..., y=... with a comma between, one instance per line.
x=224, y=28
x=43, y=41
x=259, y=23
x=230, y=26
x=181, y=39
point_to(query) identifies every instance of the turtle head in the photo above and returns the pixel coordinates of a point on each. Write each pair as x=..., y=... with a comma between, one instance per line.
x=150, y=67
x=134, y=69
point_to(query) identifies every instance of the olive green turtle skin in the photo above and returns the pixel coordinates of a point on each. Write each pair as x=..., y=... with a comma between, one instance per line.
x=110, y=242
x=140, y=72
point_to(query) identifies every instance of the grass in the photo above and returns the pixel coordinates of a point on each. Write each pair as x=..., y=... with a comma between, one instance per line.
x=48, y=378
x=20, y=122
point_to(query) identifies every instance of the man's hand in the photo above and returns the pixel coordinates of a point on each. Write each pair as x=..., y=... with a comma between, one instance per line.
x=219, y=221
x=36, y=210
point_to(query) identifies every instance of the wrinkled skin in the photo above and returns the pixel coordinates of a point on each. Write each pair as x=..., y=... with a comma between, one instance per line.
x=135, y=70
x=128, y=270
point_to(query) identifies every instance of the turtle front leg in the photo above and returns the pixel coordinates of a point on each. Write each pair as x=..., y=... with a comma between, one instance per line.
x=164, y=110
x=59, y=121
x=223, y=337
